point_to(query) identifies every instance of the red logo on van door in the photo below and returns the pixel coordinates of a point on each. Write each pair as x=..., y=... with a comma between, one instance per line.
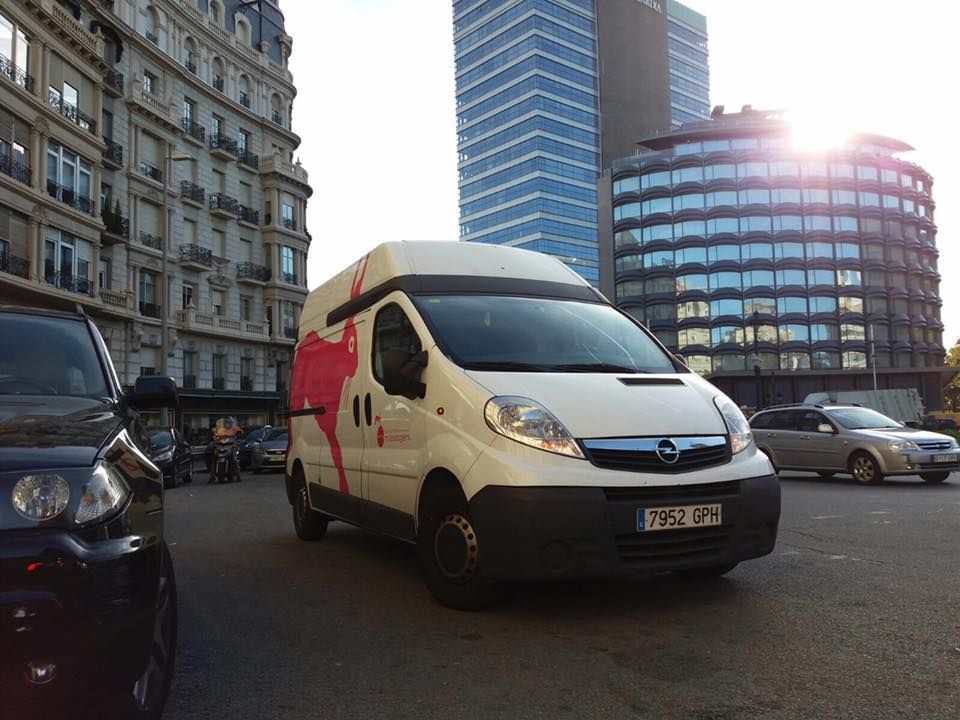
x=320, y=373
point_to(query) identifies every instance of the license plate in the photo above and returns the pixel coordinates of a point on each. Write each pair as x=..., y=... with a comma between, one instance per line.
x=945, y=458
x=675, y=518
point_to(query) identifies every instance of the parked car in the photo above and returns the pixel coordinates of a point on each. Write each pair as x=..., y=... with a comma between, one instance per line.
x=831, y=439
x=251, y=438
x=932, y=422
x=88, y=604
x=271, y=452
x=172, y=454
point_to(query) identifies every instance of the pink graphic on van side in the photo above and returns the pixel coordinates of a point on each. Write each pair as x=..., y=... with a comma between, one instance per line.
x=320, y=374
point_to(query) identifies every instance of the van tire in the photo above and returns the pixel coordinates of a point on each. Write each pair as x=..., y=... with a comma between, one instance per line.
x=449, y=551
x=934, y=477
x=865, y=469
x=308, y=523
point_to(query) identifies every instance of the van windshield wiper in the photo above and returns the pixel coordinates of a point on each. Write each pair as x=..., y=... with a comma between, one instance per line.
x=598, y=367
x=507, y=365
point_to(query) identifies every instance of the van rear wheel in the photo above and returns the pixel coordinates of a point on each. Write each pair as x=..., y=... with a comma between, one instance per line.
x=307, y=522
x=449, y=551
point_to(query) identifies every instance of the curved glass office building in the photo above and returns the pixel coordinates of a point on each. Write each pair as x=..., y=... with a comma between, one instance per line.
x=740, y=251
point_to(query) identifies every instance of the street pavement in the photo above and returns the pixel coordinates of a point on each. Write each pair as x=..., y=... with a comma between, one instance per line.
x=854, y=615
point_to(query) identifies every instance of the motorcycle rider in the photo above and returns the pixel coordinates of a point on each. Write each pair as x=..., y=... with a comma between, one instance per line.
x=227, y=428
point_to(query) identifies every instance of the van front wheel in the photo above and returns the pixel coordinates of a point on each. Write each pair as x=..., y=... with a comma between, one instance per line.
x=449, y=551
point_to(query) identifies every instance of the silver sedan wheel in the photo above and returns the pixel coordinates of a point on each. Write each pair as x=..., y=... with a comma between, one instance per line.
x=864, y=470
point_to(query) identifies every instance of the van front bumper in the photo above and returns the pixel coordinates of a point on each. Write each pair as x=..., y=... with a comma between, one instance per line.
x=536, y=533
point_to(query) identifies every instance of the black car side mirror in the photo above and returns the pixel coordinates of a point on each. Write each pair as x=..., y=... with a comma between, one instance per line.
x=153, y=391
x=401, y=374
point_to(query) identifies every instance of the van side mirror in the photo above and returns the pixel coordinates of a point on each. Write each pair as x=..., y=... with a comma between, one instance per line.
x=153, y=391
x=401, y=373
x=825, y=428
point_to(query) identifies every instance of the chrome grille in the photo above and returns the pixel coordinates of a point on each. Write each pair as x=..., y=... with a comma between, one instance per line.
x=648, y=455
x=935, y=445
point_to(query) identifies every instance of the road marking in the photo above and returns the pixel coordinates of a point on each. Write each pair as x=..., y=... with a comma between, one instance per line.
x=880, y=512
x=826, y=517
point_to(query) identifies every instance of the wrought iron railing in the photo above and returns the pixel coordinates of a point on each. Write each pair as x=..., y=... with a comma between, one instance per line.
x=289, y=223
x=192, y=191
x=218, y=83
x=289, y=278
x=151, y=172
x=11, y=71
x=249, y=215
x=114, y=151
x=68, y=196
x=219, y=383
x=114, y=79
x=219, y=201
x=71, y=112
x=71, y=283
x=117, y=225
x=150, y=309
x=252, y=271
x=222, y=142
x=276, y=117
x=191, y=66
x=196, y=254
x=151, y=240
x=193, y=129
x=14, y=265
x=290, y=333
x=14, y=168
x=245, y=100
x=248, y=158
x=246, y=384
x=151, y=37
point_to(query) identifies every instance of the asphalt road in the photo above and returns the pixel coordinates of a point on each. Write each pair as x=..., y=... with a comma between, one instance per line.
x=854, y=615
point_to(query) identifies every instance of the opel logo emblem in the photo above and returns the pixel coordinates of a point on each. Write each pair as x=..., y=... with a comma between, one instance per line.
x=668, y=451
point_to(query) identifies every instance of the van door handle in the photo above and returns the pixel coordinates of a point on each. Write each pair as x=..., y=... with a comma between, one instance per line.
x=368, y=410
x=771, y=434
x=356, y=410
x=804, y=437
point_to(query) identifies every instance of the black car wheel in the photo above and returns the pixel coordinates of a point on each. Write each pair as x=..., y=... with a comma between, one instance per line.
x=934, y=477
x=449, y=551
x=151, y=690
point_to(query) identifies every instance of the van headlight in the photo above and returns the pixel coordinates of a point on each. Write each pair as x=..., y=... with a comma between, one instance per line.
x=737, y=425
x=528, y=422
x=71, y=497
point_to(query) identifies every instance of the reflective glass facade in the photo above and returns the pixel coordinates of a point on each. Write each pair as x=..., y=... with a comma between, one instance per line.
x=730, y=246
x=689, y=66
x=527, y=115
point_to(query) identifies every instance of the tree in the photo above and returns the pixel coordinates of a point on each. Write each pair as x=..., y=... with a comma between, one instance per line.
x=951, y=393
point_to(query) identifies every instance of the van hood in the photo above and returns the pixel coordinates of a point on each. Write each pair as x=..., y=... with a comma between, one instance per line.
x=53, y=431
x=603, y=405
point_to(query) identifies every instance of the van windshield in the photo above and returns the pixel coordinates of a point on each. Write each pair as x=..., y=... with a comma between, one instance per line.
x=539, y=335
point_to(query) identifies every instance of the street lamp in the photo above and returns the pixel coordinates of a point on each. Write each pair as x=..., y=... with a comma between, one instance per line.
x=172, y=157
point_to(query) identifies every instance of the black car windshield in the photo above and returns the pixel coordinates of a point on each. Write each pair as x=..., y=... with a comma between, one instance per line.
x=539, y=335
x=161, y=439
x=279, y=434
x=48, y=356
x=862, y=419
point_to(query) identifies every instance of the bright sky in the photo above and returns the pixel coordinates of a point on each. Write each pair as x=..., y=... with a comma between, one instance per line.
x=376, y=104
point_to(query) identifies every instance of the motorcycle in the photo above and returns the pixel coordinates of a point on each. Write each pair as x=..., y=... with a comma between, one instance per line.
x=225, y=467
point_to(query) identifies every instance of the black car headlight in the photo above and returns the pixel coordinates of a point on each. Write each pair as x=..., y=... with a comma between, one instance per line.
x=71, y=498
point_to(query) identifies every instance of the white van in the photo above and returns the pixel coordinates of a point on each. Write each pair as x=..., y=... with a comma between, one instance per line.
x=490, y=406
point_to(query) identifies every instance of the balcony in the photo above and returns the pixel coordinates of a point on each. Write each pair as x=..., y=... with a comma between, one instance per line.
x=151, y=37
x=217, y=83
x=14, y=168
x=289, y=223
x=192, y=193
x=189, y=382
x=276, y=118
x=8, y=69
x=196, y=257
x=114, y=154
x=14, y=265
x=246, y=384
x=249, y=159
x=245, y=100
x=194, y=130
x=150, y=310
x=72, y=112
x=151, y=240
x=248, y=272
x=219, y=383
x=70, y=283
x=276, y=164
x=148, y=170
x=249, y=215
x=223, y=205
x=289, y=278
x=190, y=66
x=223, y=147
x=68, y=196
x=117, y=228
x=114, y=299
x=113, y=82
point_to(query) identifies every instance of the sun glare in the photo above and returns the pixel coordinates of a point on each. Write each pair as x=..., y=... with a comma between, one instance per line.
x=813, y=133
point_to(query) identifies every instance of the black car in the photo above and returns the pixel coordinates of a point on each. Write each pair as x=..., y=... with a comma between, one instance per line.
x=172, y=454
x=88, y=603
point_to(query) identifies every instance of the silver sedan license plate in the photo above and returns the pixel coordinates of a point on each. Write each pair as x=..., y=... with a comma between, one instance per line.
x=675, y=518
x=945, y=458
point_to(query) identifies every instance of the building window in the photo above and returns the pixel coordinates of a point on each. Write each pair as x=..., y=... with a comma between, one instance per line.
x=15, y=47
x=246, y=374
x=189, y=111
x=286, y=214
x=243, y=141
x=217, y=126
x=188, y=292
x=189, y=370
x=149, y=82
x=69, y=177
x=219, y=367
x=287, y=270
x=67, y=261
x=246, y=303
x=149, y=304
x=216, y=302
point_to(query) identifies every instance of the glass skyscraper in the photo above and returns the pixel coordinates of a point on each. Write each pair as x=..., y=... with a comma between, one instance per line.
x=528, y=99
x=689, y=68
x=528, y=139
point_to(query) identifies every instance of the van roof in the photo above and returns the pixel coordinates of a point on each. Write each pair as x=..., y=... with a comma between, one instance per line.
x=438, y=267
